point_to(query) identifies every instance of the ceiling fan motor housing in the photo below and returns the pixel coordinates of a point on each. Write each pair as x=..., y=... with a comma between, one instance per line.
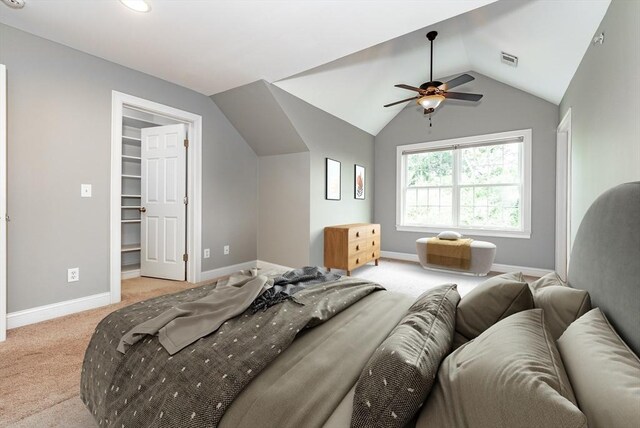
x=427, y=85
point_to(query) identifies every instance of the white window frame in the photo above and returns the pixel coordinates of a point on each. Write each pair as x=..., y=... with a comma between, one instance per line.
x=524, y=134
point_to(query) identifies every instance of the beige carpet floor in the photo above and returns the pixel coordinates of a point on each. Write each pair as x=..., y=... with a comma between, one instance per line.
x=40, y=364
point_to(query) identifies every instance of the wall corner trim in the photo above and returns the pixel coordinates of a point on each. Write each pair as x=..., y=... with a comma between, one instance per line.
x=496, y=267
x=55, y=310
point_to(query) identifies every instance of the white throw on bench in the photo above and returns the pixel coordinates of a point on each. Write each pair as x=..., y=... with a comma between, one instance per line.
x=482, y=255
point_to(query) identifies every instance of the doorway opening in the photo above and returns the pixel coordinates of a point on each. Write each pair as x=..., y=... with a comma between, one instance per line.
x=155, y=192
x=563, y=196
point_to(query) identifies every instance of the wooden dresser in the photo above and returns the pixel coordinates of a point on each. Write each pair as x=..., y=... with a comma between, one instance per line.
x=349, y=246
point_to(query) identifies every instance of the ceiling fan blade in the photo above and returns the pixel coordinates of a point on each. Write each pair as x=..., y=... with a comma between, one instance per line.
x=460, y=80
x=411, y=88
x=462, y=96
x=402, y=101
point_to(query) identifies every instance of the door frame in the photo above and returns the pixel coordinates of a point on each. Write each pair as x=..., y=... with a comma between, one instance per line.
x=194, y=183
x=563, y=195
x=3, y=203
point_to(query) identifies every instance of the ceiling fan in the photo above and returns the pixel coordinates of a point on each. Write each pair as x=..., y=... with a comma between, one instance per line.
x=432, y=93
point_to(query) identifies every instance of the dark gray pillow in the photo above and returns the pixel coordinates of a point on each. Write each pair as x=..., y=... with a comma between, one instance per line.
x=399, y=375
x=494, y=299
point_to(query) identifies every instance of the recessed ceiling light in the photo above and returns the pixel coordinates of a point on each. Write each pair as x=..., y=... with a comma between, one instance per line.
x=137, y=5
x=14, y=4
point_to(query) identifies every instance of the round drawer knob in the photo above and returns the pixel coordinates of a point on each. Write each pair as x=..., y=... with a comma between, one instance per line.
x=357, y=261
x=373, y=255
x=373, y=243
x=357, y=234
x=357, y=247
x=373, y=231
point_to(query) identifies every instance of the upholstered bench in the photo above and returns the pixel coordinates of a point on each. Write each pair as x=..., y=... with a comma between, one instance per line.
x=482, y=255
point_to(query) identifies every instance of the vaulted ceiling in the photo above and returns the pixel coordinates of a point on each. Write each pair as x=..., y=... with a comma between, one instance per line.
x=341, y=56
x=549, y=38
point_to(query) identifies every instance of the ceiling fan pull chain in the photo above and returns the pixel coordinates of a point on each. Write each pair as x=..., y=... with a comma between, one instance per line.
x=430, y=124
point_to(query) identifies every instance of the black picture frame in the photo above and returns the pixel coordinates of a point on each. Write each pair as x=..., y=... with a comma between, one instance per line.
x=333, y=180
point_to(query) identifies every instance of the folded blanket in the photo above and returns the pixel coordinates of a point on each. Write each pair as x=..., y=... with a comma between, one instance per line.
x=449, y=253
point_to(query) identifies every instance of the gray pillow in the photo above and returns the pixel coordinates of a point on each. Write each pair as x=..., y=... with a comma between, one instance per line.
x=604, y=372
x=561, y=304
x=548, y=280
x=494, y=299
x=399, y=375
x=509, y=376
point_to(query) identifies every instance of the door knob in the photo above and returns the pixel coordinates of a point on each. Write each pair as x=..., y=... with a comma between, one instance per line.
x=142, y=209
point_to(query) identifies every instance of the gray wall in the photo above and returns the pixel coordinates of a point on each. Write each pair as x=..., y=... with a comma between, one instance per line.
x=328, y=136
x=283, y=209
x=604, y=97
x=503, y=108
x=259, y=118
x=59, y=137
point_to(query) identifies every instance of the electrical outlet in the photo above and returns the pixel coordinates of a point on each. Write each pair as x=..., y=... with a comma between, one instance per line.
x=226, y=249
x=73, y=274
x=85, y=190
x=207, y=253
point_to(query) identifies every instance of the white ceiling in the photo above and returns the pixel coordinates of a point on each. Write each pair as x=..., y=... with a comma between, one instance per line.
x=549, y=38
x=215, y=45
x=342, y=56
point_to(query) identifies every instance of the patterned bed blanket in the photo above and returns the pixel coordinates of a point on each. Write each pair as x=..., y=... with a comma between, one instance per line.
x=193, y=388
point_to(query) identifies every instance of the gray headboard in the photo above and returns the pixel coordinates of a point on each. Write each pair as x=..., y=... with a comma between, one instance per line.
x=605, y=259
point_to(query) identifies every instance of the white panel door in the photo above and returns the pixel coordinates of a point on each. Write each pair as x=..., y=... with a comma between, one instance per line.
x=163, y=190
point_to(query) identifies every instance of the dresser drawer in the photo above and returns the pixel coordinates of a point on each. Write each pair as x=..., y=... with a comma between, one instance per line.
x=364, y=245
x=366, y=231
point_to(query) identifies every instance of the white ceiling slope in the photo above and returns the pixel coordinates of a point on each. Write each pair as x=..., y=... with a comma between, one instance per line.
x=549, y=38
x=211, y=46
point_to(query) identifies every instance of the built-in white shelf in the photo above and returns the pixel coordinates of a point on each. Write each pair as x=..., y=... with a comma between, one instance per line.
x=131, y=176
x=129, y=139
x=128, y=268
x=131, y=157
x=131, y=196
x=131, y=221
x=131, y=207
x=130, y=247
x=135, y=122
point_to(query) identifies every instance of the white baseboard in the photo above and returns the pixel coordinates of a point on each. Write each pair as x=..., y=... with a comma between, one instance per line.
x=55, y=310
x=496, y=267
x=528, y=271
x=400, y=256
x=271, y=266
x=227, y=270
x=130, y=274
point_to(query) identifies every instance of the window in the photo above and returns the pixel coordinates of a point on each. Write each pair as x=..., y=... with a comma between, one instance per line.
x=478, y=185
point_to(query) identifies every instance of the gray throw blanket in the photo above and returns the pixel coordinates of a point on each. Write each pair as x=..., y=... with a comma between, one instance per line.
x=146, y=387
x=289, y=283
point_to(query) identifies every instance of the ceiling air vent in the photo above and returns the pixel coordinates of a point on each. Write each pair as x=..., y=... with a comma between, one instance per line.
x=14, y=4
x=509, y=59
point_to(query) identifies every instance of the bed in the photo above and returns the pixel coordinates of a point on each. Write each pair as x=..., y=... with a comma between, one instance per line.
x=322, y=378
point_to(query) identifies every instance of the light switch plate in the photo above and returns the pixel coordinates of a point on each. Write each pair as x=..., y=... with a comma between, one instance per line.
x=85, y=190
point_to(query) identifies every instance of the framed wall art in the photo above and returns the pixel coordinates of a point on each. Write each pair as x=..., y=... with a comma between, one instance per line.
x=333, y=180
x=358, y=182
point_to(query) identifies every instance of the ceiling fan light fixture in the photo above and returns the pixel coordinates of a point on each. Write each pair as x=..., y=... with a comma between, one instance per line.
x=430, y=102
x=137, y=5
